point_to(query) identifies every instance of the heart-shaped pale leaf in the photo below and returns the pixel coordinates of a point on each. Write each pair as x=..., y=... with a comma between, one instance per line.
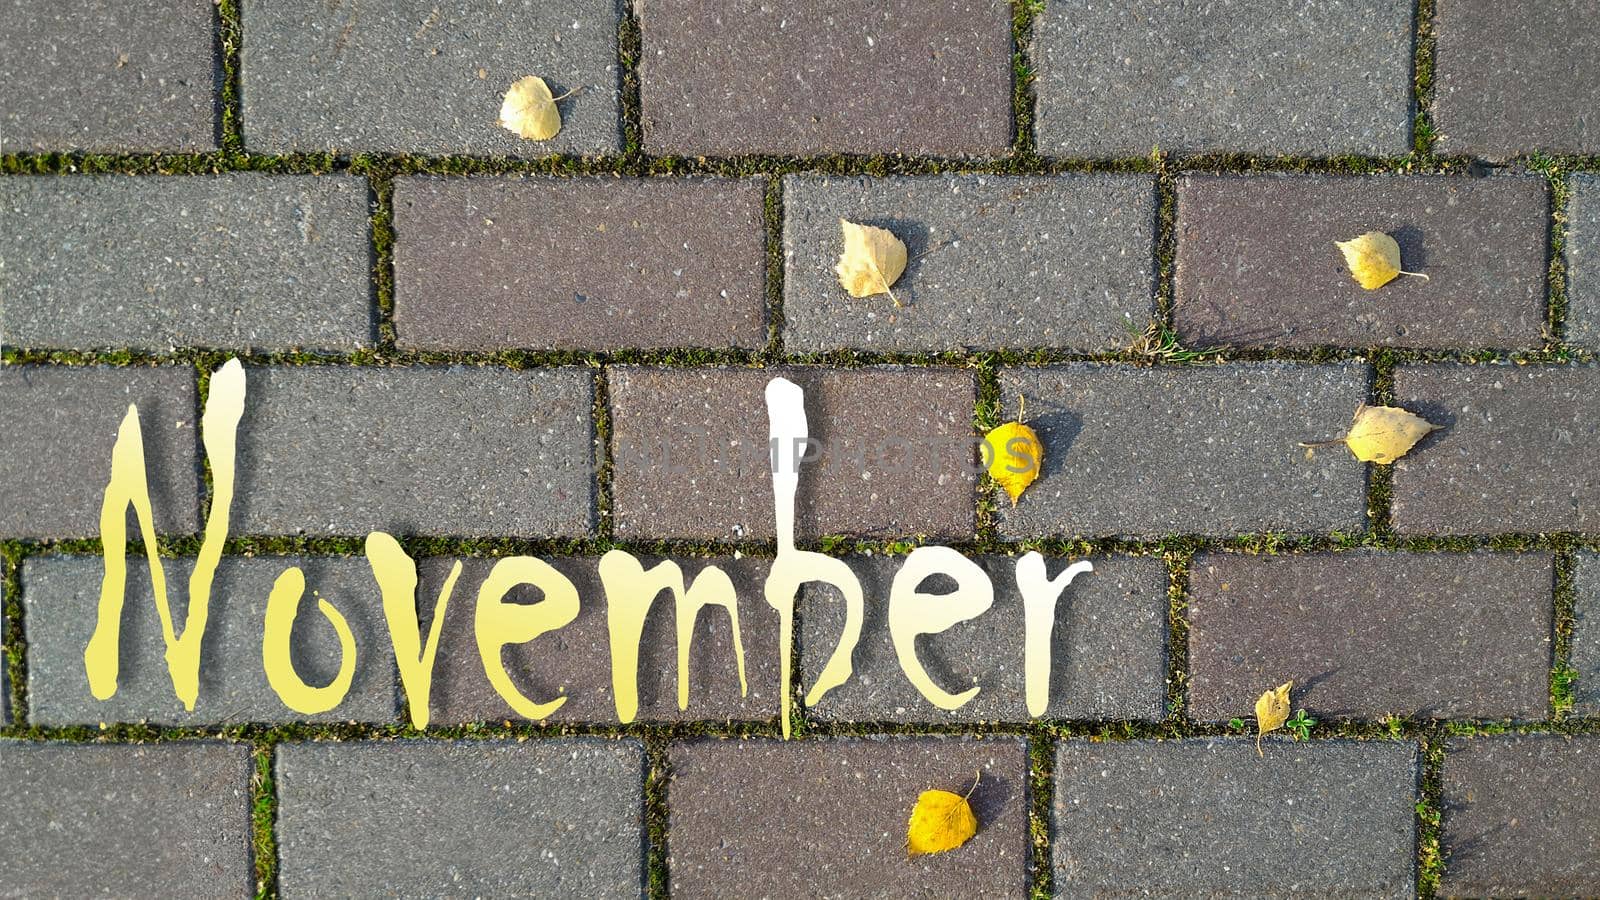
x=940, y=821
x=1272, y=710
x=1374, y=259
x=530, y=110
x=873, y=259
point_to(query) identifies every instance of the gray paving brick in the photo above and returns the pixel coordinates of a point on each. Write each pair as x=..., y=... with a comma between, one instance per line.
x=1508, y=457
x=1583, y=262
x=1585, y=648
x=418, y=77
x=1519, y=816
x=715, y=479
x=1063, y=262
x=1208, y=817
x=157, y=820
x=541, y=818
x=1257, y=265
x=418, y=450
x=1117, y=78
x=1194, y=450
x=234, y=261
x=1369, y=634
x=828, y=76
x=1108, y=657
x=5, y=675
x=108, y=77
x=61, y=596
x=55, y=454
x=756, y=817
x=1507, y=80
x=588, y=264
x=575, y=661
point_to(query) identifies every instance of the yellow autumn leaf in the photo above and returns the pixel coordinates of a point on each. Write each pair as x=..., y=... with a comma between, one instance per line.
x=873, y=259
x=1374, y=259
x=530, y=110
x=1272, y=710
x=1015, y=454
x=940, y=821
x=1381, y=434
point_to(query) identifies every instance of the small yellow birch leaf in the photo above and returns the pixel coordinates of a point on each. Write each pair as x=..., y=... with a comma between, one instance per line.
x=873, y=259
x=1383, y=434
x=1015, y=456
x=1272, y=710
x=530, y=110
x=1374, y=259
x=940, y=821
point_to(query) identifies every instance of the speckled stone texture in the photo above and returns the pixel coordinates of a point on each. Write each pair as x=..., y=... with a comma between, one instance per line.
x=1118, y=78
x=61, y=597
x=1064, y=262
x=235, y=261
x=897, y=446
x=1510, y=456
x=1209, y=450
x=414, y=76
x=1583, y=262
x=575, y=661
x=547, y=818
x=1257, y=265
x=416, y=450
x=1586, y=635
x=754, y=818
x=55, y=452
x=1519, y=816
x=157, y=820
x=1108, y=653
x=109, y=77
x=1365, y=635
x=1513, y=76
x=579, y=264
x=826, y=76
x=1208, y=817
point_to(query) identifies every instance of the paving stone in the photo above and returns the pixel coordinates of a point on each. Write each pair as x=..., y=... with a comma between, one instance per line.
x=575, y=661
x=541, y=818
x=1507, y=457
x=690, y=451
x=158, y=820
x=1586, y=635
x=107, y=77
x=828, y=76
x=754, y=818
x=416, y=450
x=1108, y=657
x=55, y=456
x=1583, y=262
x=1370, y=634
x=1257, y=265
x=61, y=596
x=5, y=676
x=1118, y=78
x=1186, y=449
x=1208, y=817
x=1063, y=262
x=413, y=76
x=1519, y=816
x=234, y=261
x=614, y=263
x=1507, y=79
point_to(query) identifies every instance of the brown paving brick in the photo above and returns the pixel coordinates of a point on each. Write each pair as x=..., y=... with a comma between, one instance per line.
x=1511, y=454
x=55, y=452
x=1367, y=634
x=756, y=818
x=901, y=76
x=575, y=661
x=1257, y=265
x=1108, y=657
x=716, y=480
x=1514, y=76
x=579, y=263
x=1519, y=816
